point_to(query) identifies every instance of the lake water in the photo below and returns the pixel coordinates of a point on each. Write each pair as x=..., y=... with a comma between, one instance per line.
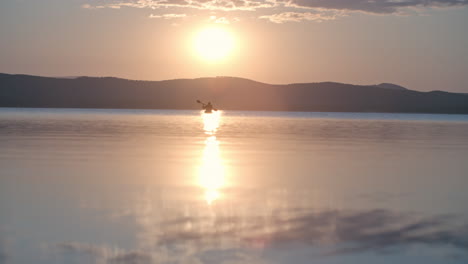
x=154, y=186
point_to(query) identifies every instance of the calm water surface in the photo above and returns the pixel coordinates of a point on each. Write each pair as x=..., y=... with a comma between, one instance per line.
x=132, y=186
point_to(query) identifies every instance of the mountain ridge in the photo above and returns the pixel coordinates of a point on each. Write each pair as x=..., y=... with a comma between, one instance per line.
x=230, y=93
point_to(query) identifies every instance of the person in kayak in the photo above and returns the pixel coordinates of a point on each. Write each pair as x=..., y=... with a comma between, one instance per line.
x=207, y=107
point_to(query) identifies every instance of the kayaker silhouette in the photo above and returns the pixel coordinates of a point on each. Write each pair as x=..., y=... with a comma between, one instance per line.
x=207, y=107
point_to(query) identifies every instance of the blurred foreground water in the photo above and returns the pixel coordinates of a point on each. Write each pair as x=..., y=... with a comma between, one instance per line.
x=154, y=186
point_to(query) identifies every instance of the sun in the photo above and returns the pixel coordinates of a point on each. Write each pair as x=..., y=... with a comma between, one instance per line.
x=214, y=44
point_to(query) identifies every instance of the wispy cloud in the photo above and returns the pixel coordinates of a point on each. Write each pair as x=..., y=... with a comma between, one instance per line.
x=88, y=6
x=212, y=5
x=298, y=17
x=222, y=20
x=374, y=6
x=168, y=16
x=287, y=10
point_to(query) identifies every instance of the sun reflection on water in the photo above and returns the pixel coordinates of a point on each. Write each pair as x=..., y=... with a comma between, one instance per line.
x=211, y=121
x=212, y=173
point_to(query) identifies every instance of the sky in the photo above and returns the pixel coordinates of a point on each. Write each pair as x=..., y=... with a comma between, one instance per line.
x=419, y=44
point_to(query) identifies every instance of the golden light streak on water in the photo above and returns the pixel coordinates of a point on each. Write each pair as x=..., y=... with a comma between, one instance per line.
x=212, y=171
x=211, y=121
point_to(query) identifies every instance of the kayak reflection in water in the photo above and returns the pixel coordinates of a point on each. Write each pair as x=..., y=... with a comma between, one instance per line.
x=207, y=107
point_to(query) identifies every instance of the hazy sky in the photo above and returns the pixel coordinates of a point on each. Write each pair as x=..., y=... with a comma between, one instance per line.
x=420, y=44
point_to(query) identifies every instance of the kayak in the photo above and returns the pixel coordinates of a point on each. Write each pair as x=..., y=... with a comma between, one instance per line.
x=207, y=107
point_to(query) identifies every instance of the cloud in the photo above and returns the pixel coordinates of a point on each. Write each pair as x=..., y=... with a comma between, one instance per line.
x=288, y=10
x=168, y=16
x=212, y=5
x=298, y=17
x=88, y=6
x=221, y=20
x=367, y=6
x=374, y=6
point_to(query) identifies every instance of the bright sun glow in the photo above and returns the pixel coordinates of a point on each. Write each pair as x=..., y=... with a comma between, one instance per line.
x=214, y=43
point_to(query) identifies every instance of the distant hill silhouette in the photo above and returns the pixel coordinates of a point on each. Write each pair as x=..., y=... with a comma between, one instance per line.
x=391, y=86
x=227, y=93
